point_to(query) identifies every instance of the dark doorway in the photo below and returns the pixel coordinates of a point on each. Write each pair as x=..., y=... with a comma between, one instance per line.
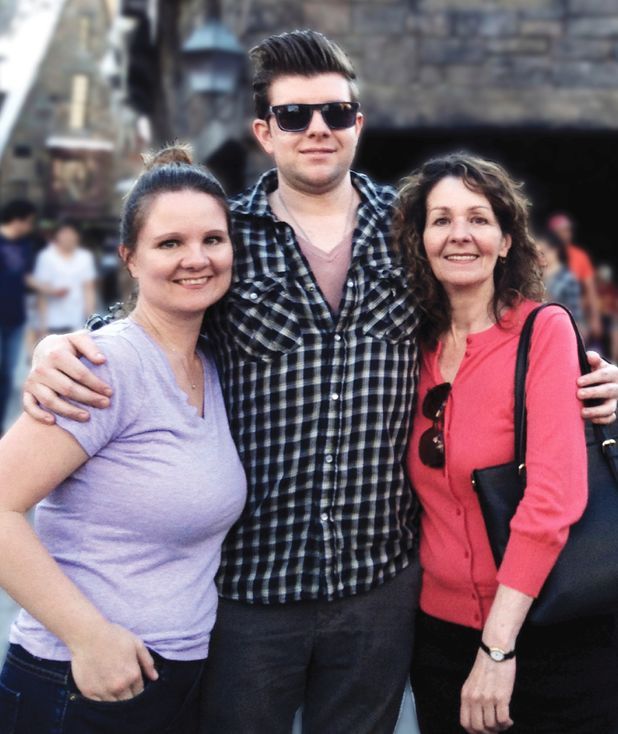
x=228, y=164
x=570, y=171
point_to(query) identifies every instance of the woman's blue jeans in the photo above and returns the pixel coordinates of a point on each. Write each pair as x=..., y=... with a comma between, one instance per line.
x=39, y=696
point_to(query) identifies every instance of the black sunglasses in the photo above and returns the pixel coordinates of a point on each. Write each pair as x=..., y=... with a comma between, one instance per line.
x=294, y=118
x=431, y=444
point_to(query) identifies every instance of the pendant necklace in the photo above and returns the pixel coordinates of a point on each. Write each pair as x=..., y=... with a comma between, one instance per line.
x=193, y=383
x=301, y=229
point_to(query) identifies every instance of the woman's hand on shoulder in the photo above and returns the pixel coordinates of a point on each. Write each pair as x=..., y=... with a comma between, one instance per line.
x=486, y=696
x=57, y=373
x=111, y=664
x=602, y=385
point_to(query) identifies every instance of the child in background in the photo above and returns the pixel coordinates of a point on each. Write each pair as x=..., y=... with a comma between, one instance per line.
x=64, y=264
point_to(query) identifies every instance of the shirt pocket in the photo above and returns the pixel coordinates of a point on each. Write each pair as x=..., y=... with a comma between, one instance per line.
x=389, y=307
x=262, y=317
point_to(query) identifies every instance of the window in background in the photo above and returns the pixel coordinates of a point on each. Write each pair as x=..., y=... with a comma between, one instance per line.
x=79, y=101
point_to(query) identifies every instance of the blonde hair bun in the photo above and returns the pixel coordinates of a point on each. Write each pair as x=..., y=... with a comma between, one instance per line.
x=179, y=154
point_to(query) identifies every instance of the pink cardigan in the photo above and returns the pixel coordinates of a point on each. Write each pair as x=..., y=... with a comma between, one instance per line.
x=460, y=577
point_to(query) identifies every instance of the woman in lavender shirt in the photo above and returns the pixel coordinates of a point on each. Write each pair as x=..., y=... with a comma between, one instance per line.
x=117, y=580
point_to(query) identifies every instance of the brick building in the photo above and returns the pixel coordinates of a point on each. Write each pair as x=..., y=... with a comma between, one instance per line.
x=533, y=83
x=65, y=133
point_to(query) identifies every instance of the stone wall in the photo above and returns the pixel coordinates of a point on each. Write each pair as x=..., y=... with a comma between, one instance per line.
x=462, y=62
x=423, y=65
x=78, y=46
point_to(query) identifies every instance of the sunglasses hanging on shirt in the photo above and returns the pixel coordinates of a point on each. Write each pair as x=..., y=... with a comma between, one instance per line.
x=431, y=444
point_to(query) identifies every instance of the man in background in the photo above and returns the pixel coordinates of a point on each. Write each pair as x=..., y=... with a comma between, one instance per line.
x=582, y=268
x=16, y=259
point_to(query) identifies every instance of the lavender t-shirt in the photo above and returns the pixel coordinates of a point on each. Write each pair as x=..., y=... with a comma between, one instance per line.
x=139, y=526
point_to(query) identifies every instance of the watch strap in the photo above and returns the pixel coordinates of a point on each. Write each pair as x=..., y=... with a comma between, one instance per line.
x=501, y=655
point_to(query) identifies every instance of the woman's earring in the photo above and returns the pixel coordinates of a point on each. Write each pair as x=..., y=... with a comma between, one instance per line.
x=502, y=260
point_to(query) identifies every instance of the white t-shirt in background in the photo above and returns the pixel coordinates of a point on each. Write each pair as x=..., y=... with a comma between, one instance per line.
x=56, y=270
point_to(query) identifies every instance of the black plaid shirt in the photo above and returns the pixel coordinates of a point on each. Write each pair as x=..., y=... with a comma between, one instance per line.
x=319, y=407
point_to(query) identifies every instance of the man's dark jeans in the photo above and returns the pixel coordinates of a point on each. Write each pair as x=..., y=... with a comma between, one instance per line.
x=39, y=696
x=345, y=661
x=10, y=347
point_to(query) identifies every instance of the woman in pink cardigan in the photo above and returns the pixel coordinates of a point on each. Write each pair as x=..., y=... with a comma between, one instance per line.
x=462, y=227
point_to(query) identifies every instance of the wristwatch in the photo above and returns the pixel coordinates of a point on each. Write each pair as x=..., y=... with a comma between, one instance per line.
x=497, y=654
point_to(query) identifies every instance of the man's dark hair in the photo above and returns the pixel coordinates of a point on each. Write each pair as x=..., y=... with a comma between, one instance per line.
x=304, y=53
x=16, y=209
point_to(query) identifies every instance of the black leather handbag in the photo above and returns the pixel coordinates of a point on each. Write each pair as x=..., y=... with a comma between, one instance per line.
x=584, y=580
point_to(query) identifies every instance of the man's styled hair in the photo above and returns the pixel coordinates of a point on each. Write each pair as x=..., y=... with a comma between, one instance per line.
x=16, y=209
x=304, y=53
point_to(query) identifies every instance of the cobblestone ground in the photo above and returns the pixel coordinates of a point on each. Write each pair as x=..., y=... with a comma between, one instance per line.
x=407, y=718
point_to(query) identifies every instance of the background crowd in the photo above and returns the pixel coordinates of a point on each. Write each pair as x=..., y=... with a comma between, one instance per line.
x=50, y=282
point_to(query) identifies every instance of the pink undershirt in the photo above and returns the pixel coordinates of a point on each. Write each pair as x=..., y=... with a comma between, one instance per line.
x=330, y=269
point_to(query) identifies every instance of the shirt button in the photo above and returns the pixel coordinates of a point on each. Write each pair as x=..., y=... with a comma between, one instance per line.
x=350, y=283
x=477, y=618
x=311, y=288
x=253, y=296
x=337, y=337
x=329, y=458
x=334, y=396
x=324, y=516
x=466, y=554
x=458, y=512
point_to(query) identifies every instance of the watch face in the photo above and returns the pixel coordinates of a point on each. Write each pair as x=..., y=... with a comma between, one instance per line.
x=497, y=655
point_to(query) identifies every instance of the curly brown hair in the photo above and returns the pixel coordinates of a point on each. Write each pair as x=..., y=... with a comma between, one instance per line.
x=518, y=277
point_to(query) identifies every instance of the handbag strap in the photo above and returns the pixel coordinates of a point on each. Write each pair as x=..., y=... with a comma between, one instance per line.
x=521, y=369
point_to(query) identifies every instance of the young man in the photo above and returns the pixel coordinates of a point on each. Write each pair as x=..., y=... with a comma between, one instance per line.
x=65, y=264
x=319, y=578
x=317, y=354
